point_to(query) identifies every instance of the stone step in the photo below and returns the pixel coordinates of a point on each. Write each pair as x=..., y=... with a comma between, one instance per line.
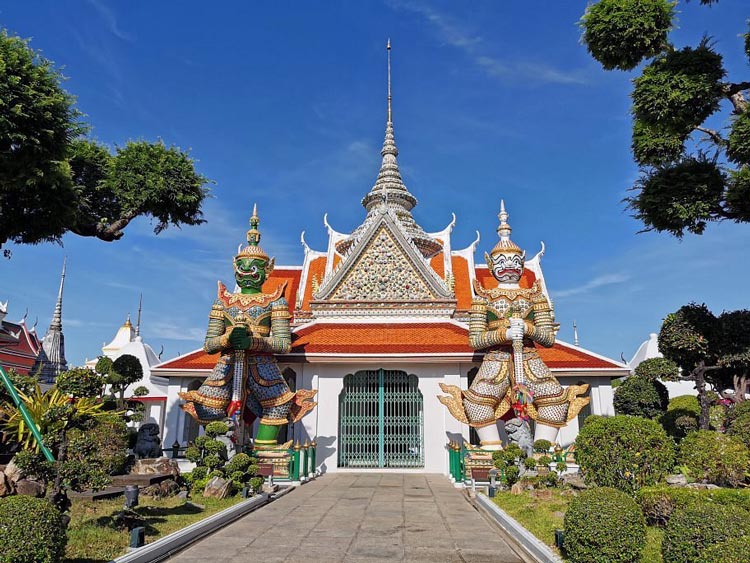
x=140, y=480
x=109, y=492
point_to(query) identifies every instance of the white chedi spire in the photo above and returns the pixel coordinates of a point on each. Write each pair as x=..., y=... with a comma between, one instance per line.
x=51, y=360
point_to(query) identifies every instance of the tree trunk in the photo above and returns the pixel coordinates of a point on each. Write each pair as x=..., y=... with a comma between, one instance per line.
x=700, y=384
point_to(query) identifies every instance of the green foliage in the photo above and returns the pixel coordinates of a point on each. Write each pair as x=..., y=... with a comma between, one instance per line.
x=737, y=200
x=101, y=443
x=53, y=181
x=140, y=391
x=679, y=89
x=31, y=531
x=561, y=467
x=681, y=417
x=200, y=441
x=193, y=453
x=621, y=33
x=733, y=550
x=679, y=196
x=624, y=452
x=657, y=368
x=37, y=121
x=125, y=371
x=715, y=458
x=529, y=463
x=639, y=396
x=80, y=382
x=199, y=484
x=551, y=479
x=544, y=460
x=103, y=365
x=687, y=336
x=199, y=472
x=604, y=525
x=542, y=446
x=659, y=502
x=698, y=526
x=240, y=462
x=511, y=475
x=654, y=144
x=738, y=142
x=212, y=461
x=216, y=447
x=256, y=483
x=217, y=428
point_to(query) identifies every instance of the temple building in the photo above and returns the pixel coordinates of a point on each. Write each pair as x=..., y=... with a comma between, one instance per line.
x=22, y=350
x=379, y=320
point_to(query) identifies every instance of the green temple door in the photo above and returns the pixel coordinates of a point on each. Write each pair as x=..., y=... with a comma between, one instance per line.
x=381, y=420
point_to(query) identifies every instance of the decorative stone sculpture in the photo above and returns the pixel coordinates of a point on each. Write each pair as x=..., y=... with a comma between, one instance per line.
x=508, y=322
x=148, y=443
x=248, y=328
x=519, y=433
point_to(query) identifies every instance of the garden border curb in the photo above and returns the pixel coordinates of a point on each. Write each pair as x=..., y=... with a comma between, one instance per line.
x=176, y=541
x=528, y=541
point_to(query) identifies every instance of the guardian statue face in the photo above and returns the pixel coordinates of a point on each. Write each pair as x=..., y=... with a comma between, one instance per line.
x=250, y=273
x=507, y=267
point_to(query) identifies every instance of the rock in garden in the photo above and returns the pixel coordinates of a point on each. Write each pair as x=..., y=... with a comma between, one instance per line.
x=575, y=481
x=542, y=494
x=31, y=488
x=702, y=486
x=5, y=487
x=676, y=480
x=217, y=488
x=12, y=472
x=158, y=465
x=517, y=488
x=168, y=488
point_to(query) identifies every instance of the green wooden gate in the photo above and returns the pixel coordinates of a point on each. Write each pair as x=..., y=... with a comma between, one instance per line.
x=381, y=420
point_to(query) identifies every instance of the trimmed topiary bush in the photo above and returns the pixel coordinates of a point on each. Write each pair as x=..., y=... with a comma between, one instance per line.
x=697, y=526
x=240, y=462
x=31, y=531
x=639, y=396
x=511, y=475
x=716, y=458
x=740, y=427
x=682, y=416
x=217, y=428
x=734, y=550
x=529, y=463
x=624, y=452
x=542, y=446
x=604, y=525
x=659, y=502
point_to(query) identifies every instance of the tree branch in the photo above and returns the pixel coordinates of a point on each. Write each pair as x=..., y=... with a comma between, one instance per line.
x=733, y=91
x=106, y=232
x=717, y=138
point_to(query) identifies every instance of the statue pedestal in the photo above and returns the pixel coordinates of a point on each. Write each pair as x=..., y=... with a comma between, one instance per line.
x=280, y=461
x=477, y=459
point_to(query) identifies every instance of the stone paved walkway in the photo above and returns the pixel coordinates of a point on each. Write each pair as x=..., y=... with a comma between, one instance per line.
x=357, y=518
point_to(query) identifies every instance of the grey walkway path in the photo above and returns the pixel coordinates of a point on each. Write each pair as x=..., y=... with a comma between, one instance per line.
x=360, y=517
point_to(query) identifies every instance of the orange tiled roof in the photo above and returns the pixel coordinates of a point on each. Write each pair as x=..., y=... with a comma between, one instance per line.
x=279, y=276
x=396, y=338
x=437, y=264
x=317, y=269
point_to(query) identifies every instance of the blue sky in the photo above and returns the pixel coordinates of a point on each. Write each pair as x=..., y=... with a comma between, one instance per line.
x=283, y=104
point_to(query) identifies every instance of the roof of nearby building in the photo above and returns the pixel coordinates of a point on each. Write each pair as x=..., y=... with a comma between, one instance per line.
x=21, y=353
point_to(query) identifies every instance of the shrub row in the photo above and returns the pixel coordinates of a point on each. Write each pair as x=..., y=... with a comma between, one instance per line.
x=659, y=502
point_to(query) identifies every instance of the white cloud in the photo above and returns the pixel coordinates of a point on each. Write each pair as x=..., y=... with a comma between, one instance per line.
x=109, y=17
x=597, y=282
x=454, y=34
x=171, y=331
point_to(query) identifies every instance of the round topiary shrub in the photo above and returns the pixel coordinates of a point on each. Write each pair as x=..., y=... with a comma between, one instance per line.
x=699, y=525
x=714, y=457
x=604, y=525
x=639, y=396
x=511, y=475
x=682, y=416
x=239, y=462
x=734, y=550
x=31, y=531
x=624, y=452
x=542, y=446
x=218, y=428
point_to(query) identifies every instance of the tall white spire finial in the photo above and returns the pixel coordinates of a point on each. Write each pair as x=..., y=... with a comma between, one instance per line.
x=57, y=315
x=390, y=113
x=138, y=322
x=575, y=333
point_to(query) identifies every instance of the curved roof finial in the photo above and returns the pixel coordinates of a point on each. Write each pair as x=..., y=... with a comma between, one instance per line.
x=388, y=48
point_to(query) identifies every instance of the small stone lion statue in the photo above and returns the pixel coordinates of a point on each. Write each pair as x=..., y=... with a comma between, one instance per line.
x=519, y=432
x=148, y=443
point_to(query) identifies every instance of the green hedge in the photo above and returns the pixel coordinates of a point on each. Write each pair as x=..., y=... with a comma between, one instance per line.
x=734, y=550
x=714, y=457
x=693, y=529
x=624, y=452
x=31, y=531
x=639, y=396
x=604, y=525
x=682, y=416
x=659, y=502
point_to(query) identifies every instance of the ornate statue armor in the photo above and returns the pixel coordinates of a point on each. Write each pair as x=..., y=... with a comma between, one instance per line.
x=248, y=328
x=509, y=322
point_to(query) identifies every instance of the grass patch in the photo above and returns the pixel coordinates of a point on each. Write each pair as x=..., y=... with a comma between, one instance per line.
x=652, y=551
x=93, y=536
x=541, y=517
